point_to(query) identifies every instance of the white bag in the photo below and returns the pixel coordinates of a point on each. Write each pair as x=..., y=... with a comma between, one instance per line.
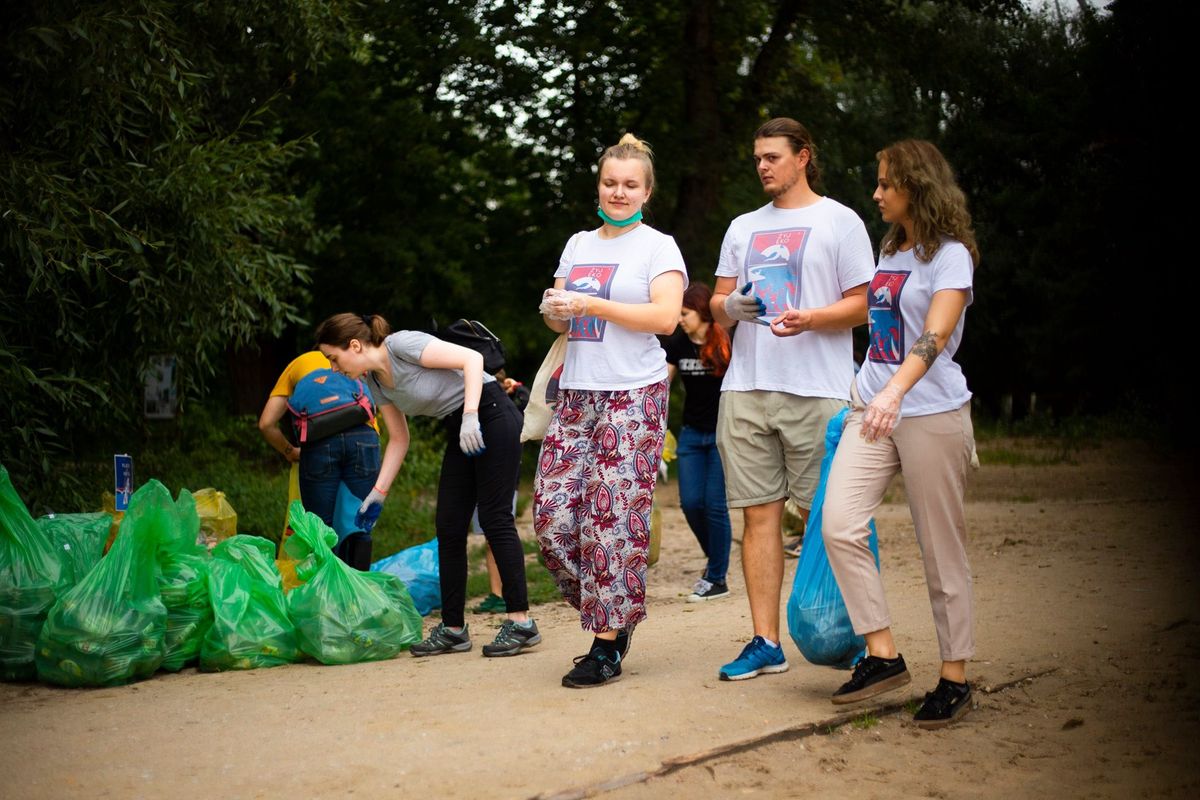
x=544, y=393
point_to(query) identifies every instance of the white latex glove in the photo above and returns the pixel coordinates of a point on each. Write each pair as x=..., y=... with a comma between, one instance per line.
x=882, y=413
x=743, y=306
x=563, y=305
x=470, y=435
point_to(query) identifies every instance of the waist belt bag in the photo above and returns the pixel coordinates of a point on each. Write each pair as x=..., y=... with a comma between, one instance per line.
x=326, y=402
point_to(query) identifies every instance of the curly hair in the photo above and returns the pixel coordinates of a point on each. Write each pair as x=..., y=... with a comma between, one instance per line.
x=937, y=207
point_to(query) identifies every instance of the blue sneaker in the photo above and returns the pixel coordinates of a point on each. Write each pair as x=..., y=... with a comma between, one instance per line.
x=757, y=658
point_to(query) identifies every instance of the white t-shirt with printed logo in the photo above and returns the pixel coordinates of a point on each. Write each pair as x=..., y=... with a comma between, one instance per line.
x=798, y=258
x=602, y=355
x=897, y=303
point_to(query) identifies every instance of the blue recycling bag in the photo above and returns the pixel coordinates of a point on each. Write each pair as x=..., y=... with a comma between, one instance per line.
x=417, y=567
x=817, y=617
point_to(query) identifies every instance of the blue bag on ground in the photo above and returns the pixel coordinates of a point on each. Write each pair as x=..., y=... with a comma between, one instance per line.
x=816, y=613
x=417, y=566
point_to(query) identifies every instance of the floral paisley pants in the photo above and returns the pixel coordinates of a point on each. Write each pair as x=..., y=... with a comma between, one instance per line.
x=592, y=499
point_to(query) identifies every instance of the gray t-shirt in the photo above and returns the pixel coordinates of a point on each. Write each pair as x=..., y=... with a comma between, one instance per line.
x=418, y=391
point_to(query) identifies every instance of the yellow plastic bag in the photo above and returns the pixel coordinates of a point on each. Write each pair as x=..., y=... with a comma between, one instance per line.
x=218, y=520
x=293, y=494
x=287, y=571
x=108, y=504
x=669, y=445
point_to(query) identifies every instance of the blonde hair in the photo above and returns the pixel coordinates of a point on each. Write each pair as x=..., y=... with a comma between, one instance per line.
x=936, y=205
x=631, y=147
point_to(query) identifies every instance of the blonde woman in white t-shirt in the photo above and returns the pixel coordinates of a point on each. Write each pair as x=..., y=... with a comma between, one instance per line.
x=615, y=288
x=911, y=412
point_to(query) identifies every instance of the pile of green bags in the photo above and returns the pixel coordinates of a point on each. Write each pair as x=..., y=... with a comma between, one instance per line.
x=183, y=585
x=250, y=627
x=31, y=577
x=108, y=629
x=344, y=616
x=73, y=616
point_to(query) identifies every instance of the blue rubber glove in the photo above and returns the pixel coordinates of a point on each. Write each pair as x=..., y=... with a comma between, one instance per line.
x=743, y=306
x=369, y=511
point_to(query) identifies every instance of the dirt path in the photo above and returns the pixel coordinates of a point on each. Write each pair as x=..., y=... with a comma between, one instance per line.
x=1084, y=577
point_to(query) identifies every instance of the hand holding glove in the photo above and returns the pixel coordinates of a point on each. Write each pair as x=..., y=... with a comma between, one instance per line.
x=743, y=306
x=563, y=305
x=369, y=511
x=882, y=414
x=470, y=435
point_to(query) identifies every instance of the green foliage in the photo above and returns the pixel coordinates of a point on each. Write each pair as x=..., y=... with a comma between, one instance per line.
x=145, y=205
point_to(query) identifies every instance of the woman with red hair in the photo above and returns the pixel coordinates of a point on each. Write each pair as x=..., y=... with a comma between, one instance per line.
x=699, y=354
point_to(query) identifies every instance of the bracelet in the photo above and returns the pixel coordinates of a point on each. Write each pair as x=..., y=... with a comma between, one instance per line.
x=381, y=491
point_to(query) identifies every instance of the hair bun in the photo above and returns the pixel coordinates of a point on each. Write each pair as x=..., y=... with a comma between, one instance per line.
x=630, y=140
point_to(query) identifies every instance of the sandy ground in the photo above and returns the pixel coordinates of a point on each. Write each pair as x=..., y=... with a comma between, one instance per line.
x=1086, y=677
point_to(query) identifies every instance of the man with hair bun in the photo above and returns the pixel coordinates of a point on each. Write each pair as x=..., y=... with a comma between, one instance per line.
x=793, y=275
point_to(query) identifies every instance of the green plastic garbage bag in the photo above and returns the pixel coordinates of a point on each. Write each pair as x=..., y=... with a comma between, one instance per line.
x=79, y=540
x=344, y=616
x=250, y=626
x=31, y=577
x=183, y=586
x=108, y=629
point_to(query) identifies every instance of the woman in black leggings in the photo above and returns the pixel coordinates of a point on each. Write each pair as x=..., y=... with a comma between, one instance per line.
x=413, y=373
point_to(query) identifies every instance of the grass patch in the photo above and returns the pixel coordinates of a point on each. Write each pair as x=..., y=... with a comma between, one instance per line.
x=912, y=706
x=865, y=722
x=539, y=583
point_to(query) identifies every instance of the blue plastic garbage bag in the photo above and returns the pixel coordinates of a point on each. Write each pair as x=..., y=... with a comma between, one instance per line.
x=817, y=616
x=417, y=566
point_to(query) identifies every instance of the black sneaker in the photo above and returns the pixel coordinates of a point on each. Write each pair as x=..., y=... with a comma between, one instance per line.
x=442, y=640
x=512, y=639
x=708, y=590
x=595, y=669
x=944, y=705
x=872, y=676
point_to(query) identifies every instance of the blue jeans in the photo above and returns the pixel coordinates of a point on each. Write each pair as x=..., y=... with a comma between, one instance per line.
x=350, y=457
x=702, y=496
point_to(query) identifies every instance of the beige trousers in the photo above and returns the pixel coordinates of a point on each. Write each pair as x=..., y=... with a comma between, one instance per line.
x=933, y=452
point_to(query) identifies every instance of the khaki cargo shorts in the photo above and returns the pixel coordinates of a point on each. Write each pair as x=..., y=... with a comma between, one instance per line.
x=771, y=445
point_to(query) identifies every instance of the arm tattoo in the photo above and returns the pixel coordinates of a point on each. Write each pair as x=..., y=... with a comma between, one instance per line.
x=925, y=348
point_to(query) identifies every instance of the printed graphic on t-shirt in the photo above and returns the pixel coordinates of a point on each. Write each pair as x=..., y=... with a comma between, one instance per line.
x=595, y=280
x=883, y=306
x=692, y=366
x=773, y=263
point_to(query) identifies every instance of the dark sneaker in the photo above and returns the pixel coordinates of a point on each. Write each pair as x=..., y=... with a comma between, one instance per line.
x=791, y=548
x=757, y=658
x=873, y=676
x=708, y=590
x=624, y=640
x=442, y=640
x=595, y=669
x=492, y=604
x=944, y=705
x=512, y=639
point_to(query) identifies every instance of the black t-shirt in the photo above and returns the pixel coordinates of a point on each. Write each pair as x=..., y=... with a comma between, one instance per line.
x=702, y=387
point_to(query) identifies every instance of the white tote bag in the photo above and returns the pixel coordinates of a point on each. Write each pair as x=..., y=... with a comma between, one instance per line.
x=544, y=393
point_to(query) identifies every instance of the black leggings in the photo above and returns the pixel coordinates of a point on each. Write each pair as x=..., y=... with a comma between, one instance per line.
x=487, y=480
